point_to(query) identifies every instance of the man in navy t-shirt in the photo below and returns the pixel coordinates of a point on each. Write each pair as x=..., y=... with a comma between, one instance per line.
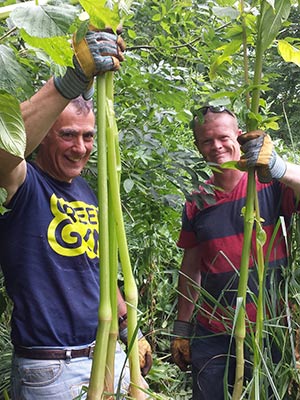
x=49, y=238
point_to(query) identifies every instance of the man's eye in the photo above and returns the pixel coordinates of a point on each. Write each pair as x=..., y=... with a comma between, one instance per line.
x=88, y=136
x=67, y=135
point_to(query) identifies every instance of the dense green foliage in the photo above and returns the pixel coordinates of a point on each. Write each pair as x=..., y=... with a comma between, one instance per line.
x=180, y=55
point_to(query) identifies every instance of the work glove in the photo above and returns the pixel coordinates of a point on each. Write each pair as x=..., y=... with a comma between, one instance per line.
x=180, y=344
x=259, y=152
x=145, y=352
x=97, y=53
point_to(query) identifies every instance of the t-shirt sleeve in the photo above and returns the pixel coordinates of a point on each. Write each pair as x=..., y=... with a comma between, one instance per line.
x=187, y=236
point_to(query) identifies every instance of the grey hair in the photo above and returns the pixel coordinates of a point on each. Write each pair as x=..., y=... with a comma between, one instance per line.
x=82, y=106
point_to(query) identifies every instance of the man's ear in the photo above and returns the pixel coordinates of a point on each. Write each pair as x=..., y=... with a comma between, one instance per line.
x=240, y=132
x=196, y=144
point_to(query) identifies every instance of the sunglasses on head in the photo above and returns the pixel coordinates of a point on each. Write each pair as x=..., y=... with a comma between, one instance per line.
x=215, y=109
x=202, y=111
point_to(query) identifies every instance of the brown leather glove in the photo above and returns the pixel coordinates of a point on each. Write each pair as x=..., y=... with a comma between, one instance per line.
x=180, y=344
x=259, y=152
x=145, y=355
x=96, y=53
x=180, y=349
x=99, y=52
x=145, y=352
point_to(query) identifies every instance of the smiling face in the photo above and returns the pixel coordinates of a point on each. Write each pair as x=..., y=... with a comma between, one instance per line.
x=216, y=138
x=67, y=146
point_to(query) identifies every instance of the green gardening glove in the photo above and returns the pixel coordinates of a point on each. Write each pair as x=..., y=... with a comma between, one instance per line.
x=259, y=152
x=97, y=53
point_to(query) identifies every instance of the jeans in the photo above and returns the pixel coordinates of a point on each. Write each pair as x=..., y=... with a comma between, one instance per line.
x=59, y=379
x=210, y=355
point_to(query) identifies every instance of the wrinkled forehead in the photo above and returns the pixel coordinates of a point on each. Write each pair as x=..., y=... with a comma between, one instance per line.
x=72, y=117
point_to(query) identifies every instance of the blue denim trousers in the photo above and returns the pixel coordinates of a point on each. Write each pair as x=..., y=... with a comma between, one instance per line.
x=59, y=379
x=211, y=353
x=214, y=354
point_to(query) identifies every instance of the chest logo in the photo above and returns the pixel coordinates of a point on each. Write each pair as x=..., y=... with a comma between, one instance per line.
x=74, y=228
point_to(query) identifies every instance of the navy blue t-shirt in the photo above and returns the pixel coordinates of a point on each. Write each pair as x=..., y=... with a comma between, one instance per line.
x=49, y=257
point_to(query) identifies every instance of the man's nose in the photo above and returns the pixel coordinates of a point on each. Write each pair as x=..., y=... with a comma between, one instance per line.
x=217, y=144
x=79, y=144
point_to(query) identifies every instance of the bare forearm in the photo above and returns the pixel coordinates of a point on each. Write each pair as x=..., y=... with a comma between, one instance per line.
x=122, y=307
x=188, y=289
x=40, y=112
x=291, y=177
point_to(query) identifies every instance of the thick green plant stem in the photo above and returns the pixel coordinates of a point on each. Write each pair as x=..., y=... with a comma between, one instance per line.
x=113, y=258
x=96, y=386
x=251, y=212
x=252, y=123
x=113, y=333
x=130, y=289
x=245, y=50
x=259, y=326
x=240, y=328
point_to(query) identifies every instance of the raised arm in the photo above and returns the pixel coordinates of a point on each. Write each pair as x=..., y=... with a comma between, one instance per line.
x=259, y=152
x=291, y=177
x=98, y=53
x=40, y=112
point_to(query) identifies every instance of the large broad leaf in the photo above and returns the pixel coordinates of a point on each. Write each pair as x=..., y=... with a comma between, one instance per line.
x=271, y=21
x=289, y=52
x=12, y=131
x=58, y=48
x=44, y=21
x=13, y=77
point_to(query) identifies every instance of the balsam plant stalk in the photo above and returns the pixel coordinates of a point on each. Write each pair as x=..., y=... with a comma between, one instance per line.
x=130, y=289
x=113, y=257
x=96, y=386
x=259, y=326
x=113, y=333
x=264, y=39
x=240, y=327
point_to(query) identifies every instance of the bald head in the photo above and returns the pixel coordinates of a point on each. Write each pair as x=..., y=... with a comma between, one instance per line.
x=214, y=119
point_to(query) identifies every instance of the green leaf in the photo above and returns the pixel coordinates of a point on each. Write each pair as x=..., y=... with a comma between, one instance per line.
x=13, y=78
x=3, y=196
x=231, y=48
x=261, y=234
x=100, y=15
x=44, y=21
x=131, y=33
x=128, y=185
x=272, y=20
x=288, y=52
x=230, y=165
x=58, y=48
x=222, y=12
x=12, y=131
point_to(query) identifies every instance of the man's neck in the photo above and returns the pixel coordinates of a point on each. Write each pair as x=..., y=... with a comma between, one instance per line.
x=227, y=179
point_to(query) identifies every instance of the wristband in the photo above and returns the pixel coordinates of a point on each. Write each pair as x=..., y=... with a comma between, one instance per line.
x=124, y=335
x=183, y=328
x=74, y=83
x=278, y=168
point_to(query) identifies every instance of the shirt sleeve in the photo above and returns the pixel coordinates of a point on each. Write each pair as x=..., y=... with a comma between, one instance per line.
x=187, y=236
